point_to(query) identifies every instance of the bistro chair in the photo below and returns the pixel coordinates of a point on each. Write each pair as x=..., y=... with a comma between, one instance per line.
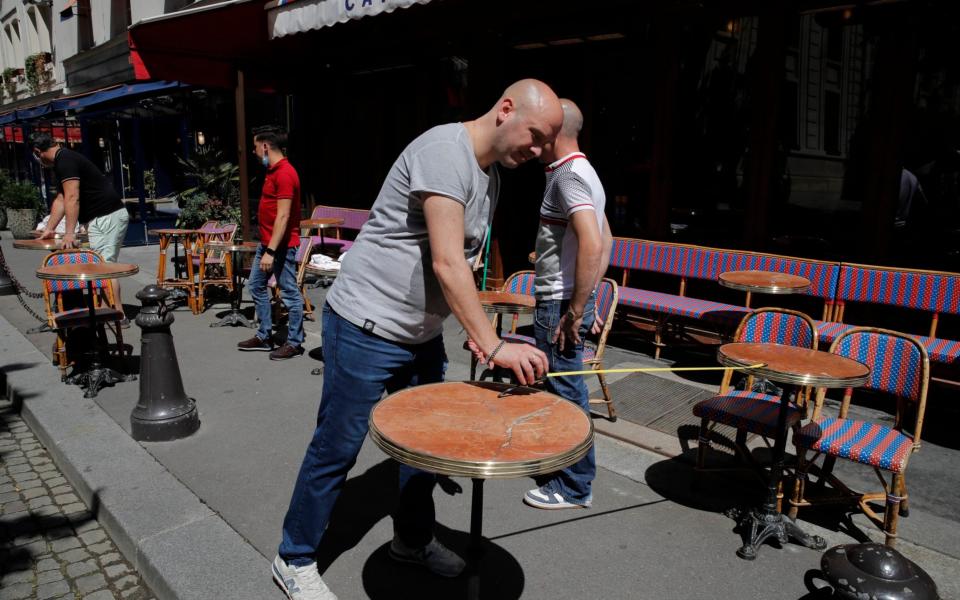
x=214, y=267
x=899, y=367
x=520, y=282
x=304, y=251
x=606, y=306
x=66, y=306
x=752, y=411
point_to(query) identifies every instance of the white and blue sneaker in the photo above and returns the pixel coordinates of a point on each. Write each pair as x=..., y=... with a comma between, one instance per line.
x=547, y=498
x=435, y=557
x=300, y=583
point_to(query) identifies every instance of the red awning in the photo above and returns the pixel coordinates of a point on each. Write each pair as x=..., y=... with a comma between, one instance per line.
x=203, y=45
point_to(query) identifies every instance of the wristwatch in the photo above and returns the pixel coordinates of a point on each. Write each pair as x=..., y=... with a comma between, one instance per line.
x=269, y=250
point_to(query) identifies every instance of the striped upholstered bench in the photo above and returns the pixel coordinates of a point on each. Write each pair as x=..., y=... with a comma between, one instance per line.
x=683, y=261
x=936, y=292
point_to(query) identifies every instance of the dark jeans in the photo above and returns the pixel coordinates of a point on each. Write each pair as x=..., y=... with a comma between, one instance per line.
x=285, y=272
x=359, y=367
x=575, y=482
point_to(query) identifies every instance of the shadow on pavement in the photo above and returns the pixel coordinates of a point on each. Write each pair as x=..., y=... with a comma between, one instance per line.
x=501, y=576
x=24, y=538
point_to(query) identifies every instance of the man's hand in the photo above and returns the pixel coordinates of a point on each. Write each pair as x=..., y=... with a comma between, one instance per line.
x=69, y=240
x=475, y=350
x=48, y=234
x=266, y=263
x=598, y=321
x=527, y=362
x=568, y=330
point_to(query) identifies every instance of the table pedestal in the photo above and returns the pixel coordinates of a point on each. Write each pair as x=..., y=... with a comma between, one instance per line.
x=475, y=550
x=98, y=375
x=759, y=524
x=235, y=317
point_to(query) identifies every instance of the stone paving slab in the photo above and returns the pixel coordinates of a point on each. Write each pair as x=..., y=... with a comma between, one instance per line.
x=51, y=544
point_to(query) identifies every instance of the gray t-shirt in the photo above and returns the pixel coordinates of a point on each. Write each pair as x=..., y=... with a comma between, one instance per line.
x=386, y=284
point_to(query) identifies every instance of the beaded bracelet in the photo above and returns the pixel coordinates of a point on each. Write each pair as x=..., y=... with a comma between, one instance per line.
x=495, y=350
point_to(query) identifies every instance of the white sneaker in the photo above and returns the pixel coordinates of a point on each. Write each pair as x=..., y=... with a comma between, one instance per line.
x=300, y=583
x=435, y=557
x=545, y=497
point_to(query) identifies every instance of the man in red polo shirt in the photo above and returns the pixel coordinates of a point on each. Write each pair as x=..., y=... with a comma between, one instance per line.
x=279, y=220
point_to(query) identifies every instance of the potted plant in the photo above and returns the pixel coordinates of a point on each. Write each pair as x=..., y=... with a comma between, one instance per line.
x=23, y=204
x=35, y=69
x=10, y=75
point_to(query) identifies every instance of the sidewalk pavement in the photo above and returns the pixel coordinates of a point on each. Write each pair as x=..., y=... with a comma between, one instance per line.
x=200, y=517
x=51, y=545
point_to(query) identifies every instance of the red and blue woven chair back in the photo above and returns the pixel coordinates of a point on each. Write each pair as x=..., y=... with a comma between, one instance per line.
x=932, y=291
x=898, y=363
x=778, y=327
x=71, y=257
x=606, y=298
x=520, y=282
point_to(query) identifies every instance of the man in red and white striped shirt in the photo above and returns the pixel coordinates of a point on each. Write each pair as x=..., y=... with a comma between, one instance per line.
x=573, y=250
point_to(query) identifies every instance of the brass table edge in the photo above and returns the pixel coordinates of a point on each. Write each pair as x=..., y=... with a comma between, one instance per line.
x=804, y=380
x=764, y=289
x=85, y=277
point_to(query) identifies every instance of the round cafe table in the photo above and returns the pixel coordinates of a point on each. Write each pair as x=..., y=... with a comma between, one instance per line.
x=98, y=375
x=321, y=224
x=764, y=282
x=237, y=249
x=464, y=429
x=49, y=245
x=794, y=367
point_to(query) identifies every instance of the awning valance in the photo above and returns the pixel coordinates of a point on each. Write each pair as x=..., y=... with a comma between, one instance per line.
x=286, y=17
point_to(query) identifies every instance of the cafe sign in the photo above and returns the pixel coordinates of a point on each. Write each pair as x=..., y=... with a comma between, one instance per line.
x=286, y=17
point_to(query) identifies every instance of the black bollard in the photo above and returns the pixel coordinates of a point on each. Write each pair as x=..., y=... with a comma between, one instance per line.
x=164, y=412
x=875, y=571
x=6, y=283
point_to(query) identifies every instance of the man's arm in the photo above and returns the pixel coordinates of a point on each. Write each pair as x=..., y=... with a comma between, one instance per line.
x=445, y=225
x=56, y=213
x=607, y=240
x=279, y=230
x=589, y=251
x=71, y=208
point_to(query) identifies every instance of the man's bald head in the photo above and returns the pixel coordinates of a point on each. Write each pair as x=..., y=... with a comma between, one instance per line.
x=572, y=119
x=532, y=95
x=525, y=118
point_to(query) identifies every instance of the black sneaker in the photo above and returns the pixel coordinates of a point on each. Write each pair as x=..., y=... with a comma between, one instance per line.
x=286, y=351
x=255, y=344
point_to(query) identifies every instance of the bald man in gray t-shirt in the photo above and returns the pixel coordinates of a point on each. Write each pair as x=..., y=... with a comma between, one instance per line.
x=383, y=321
x=386, y=284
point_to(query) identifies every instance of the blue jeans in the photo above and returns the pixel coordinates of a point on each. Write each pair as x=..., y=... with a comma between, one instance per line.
x=285, y=271
x=359, y=367
x=575, y=482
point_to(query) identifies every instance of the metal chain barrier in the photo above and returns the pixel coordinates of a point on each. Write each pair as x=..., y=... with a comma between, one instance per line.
x=21, y=291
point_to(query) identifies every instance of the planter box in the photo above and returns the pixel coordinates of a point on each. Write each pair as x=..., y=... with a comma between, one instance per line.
x=21, y=222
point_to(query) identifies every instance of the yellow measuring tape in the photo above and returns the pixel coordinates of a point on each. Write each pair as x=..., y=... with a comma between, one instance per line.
x=652, y=370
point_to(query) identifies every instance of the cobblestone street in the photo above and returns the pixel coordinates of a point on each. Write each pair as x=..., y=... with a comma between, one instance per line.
x=51, y=545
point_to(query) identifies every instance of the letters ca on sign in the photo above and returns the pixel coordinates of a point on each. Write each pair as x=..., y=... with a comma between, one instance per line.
x=351, y=5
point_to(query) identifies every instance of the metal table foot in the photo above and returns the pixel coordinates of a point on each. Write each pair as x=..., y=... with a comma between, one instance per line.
x=758, y=525
x=96, y=378
x=234, y=318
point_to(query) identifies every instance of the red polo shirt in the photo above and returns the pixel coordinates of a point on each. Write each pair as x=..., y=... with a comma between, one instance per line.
x=280, y=183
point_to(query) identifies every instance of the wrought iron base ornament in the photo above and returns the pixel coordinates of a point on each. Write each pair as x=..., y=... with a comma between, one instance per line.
x=875, y=571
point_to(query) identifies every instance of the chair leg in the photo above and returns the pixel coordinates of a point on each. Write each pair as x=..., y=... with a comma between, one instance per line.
x=904, y=507
x=827, y=470
x=611, y=411
x=703, y=442
x=892, y=512
x=799, y=483
x=473, y=367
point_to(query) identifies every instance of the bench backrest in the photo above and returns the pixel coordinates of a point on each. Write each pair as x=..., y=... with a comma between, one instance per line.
x=933, y=291
x=699, y=262
x=353, y=218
